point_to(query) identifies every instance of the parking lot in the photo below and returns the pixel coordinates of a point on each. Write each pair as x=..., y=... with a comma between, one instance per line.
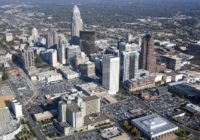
x=190, y=121
x=83, y=136
x=123, y=110
x=164, y=104
x=21, y=88
x=57, y=87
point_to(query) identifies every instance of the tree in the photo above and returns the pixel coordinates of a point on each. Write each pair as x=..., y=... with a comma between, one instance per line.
x=129, y=127
x=133, y=130
x=138, y=134
x=125, y=123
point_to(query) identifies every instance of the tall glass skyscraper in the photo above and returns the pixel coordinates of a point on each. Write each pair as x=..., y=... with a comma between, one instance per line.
x=77, y=23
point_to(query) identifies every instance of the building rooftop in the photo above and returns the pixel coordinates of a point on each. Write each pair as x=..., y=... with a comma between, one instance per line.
x=74, y=108
x=173, y=57
x=67, y=70
x=153, y=125
x=94, y=118
x=92, y=88
x=89, y=98
x=110, y=133
x=8, y=125
x=192, y=108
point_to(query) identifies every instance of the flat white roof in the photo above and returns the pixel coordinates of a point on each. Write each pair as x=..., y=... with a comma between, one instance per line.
x=193, y=107
x=154, y=125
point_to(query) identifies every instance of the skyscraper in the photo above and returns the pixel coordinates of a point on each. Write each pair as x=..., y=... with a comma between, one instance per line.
x=72, y=51
x=52, y=57
x=129, y=65
x=110, y=78
x=62, y=45
x=52, y=38
x=87, y=42
x=76, y=24
x=147, y=59
x=35, y=34
x=28, y=58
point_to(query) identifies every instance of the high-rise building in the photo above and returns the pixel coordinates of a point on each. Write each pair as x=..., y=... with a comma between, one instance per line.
x=9, y=37
x=110, y=78
x=72, y=51
x=172, y=62
x=52, y=57
x=90, y=105
x=74, y=116
x=81, y=58
x=62, y=46
x=129, y=65
x=87, y=42
x=28, y=58
x=52, y=38
x=17, y=108
x=35, y=34
x=77, y=23
x=87, y=69
x=147, y=59
x=62, y=108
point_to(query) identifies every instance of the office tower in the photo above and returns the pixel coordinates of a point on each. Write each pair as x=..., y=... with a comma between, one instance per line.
x=17, y=108
x=147, y=59
x=74, y=116
x=62, y=108
x=77, y=23
x=62, y=46
x=110, y=78
x=87, y=42
x=28, y=58
x=90, y=105
x=35, y=34
x=172, y=62
x=87, y=69
x=52, y=38
x=72, y=51
x=9, y=37
x=81, y=59
x=52, y=56
x=124, y=46
x=129, y=65
x=129, y=37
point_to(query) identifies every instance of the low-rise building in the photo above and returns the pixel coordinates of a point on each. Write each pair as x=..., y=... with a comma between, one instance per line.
x=47, y=76
x=68, y=73
x=140, y=83
x=92, y=89
x=9, y=126
x=192, y=108
x=154, y=126
x=114, y=133
x=172, y=62
x=43, y=116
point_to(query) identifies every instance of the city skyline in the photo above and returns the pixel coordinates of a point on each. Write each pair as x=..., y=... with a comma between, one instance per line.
x=115, y=70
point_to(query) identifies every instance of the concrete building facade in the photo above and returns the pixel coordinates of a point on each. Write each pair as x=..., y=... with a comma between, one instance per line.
x=110, y=78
